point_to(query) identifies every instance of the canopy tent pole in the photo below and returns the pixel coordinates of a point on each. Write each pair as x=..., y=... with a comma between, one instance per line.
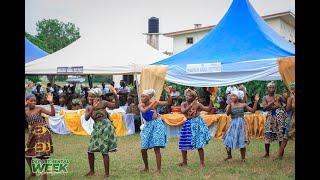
x=139, y=100
x=90, y=81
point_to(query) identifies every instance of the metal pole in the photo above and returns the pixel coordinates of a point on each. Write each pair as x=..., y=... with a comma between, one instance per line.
x=139, y=100
x=90, y=81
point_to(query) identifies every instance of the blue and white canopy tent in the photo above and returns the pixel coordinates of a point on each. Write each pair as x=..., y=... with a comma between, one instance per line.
x=32, y=52
x=241, y=48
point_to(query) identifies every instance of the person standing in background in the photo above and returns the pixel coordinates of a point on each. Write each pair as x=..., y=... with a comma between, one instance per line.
x=123, y=92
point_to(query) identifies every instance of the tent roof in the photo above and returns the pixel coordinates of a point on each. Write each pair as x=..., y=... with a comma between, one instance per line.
x=99, y=52
x=241, y=38
x=32, y=52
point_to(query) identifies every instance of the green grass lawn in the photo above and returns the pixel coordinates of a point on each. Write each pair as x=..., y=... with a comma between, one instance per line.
x=126, y=163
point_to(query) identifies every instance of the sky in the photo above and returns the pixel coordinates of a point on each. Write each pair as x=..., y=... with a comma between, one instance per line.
x=130, y=17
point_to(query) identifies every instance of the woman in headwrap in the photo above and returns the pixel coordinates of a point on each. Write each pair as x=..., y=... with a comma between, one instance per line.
x=290, y=108
x=153, y=133
x=194, y=133
x=275, y=120
x=39, y=143
x=103, y=137
x=237, y=134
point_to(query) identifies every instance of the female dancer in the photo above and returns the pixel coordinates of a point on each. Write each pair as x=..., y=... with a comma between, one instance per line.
x=103, y=137
x=194, y=133
x=39, y=144
x=153, y=133
x=237, y=134
x=275, y=119
x=290, y=108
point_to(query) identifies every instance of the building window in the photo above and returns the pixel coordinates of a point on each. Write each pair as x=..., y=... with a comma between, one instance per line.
x=189, y=40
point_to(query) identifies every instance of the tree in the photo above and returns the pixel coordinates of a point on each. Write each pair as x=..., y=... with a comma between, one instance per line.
x=36, y=41
x=55, y=34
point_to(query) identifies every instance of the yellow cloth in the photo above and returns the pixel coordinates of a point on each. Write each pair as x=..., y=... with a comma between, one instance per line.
x=287, y=69
x=73, y=122
x=117, y=121
x=153, y=77
x=254, y=121
x=175, y=119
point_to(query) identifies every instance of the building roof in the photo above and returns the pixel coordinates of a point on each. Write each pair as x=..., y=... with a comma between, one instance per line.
x=287, y=16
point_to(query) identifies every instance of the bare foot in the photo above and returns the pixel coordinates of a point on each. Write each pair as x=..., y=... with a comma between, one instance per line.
x=144, y=170
x=243, y=160
x=44, y=177
x=229, y=157
x=202, y=166
x=90, y=173
x=158, y=172
x=182, y=164
x=266, y=156
x=106, y=176
x=277, y=158
x=31, y=175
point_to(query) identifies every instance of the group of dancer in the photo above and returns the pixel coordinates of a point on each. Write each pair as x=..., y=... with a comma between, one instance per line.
x=194, y=134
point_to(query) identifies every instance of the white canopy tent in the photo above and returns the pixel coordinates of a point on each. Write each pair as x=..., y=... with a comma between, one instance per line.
x=100, y=52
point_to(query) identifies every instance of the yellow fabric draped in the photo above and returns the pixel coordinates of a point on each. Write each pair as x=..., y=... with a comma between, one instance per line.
x=174, y=119
x=287, y=69
x=120, y=126
x=73, y=122
x=254, y=122
x=153, y=77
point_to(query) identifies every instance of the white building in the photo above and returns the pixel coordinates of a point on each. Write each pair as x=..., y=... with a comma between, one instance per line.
x=283, y=23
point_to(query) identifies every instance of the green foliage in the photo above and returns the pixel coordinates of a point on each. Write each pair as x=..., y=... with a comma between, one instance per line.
x=252, y=87
x=36, y=41
x=55, y=34
x=260, y=87
x=34, y=79
x=100, y=78
x=61, y=78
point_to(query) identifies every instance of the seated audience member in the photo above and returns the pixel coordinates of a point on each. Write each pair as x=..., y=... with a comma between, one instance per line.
x=175, y=96
x=123, y=92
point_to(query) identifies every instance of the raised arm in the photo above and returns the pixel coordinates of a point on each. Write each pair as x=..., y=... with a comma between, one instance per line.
x=144, y=109
x=88, y=113
x=228, y=109
x=255, y=105
x=52, y=112
x=112, y=105
x=207, y=108
x=185, y=108
x=169, y=101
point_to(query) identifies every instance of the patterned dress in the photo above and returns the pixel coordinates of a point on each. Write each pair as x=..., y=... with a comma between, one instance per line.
x=274, y=125
x=39, y=143
x=236, y=135
x=194, y=134
x=103, y=137
x=154, y=133
x=285, y=130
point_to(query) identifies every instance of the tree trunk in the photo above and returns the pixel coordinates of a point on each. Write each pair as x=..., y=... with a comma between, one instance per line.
x=51, y=79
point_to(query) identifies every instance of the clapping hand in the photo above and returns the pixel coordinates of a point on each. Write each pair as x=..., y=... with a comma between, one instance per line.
x=112, y=89
x=49, y=98
x=212, y=98
x=167, y=89
x=257, y=97
x=95, y=103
